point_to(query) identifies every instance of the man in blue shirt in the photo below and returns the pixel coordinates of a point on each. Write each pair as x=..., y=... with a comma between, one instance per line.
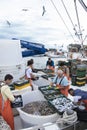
x=80, y=93
x=50, y=64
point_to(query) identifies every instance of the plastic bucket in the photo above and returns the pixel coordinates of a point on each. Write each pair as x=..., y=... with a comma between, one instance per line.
x=35, y=119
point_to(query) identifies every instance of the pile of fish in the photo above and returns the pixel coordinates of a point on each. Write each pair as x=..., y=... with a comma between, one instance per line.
x=38, y=108
x=62, y=103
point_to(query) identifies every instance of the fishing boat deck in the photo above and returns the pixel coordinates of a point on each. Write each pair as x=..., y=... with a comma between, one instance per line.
x=52, y=126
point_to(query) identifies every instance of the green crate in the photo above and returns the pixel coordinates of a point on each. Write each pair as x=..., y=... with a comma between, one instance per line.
x=58, y=107
x=21, y=82
x=48, y=90
x=73, y=79
x=47, y=71
x=52, y=96
x=81, y=75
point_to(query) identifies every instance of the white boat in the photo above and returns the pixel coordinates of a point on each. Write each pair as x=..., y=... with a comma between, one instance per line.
x=53, y=55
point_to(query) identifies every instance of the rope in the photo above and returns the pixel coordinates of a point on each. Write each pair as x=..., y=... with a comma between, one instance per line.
x=81, y=38
x=83, y=4
x=70, y=18
x=78, y=22
x=68, y=118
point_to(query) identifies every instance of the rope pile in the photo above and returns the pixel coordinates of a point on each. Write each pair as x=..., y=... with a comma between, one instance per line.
x=69, y=117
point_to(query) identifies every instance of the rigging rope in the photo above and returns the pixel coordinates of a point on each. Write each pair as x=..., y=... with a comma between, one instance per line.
x=62, y=19
x=83, y=5
x=81, y=39
x=70, y=18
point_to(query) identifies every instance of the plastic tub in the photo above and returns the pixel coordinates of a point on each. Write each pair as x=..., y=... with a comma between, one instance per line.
x=35, y=119
x=20, y=92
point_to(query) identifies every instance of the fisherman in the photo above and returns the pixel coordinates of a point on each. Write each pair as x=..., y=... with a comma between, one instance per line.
x=6, y=97
x=66, y=71
x=61, y=82
x=29, y=73
x=80, y=94
x=50, y=64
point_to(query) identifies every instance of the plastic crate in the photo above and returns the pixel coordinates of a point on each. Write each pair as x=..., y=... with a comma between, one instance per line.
x=52, y=96
x=45, y=76
x=46, y=90
x=12, y=86
x=73, y=79
x=48, y=71
x=21, y=82
x=18, y=102
x=61, y=103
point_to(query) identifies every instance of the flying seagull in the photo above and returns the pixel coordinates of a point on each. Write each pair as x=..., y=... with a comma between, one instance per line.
x=9, y=24
x=24, y=9
x=43, y=11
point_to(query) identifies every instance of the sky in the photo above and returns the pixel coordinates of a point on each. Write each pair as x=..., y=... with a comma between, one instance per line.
x=26, y=20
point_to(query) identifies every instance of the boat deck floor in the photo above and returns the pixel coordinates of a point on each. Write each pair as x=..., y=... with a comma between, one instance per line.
x=18, y=123
x=79, y=125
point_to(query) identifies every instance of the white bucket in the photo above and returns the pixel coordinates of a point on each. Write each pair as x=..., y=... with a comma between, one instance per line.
x=35, y=119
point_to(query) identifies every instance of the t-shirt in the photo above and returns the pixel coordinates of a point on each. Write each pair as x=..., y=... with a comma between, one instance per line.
x=50, y=63
x=28, y=72
x=81, y=93
x=64, y=81
x=76, y=98
x=6, y=93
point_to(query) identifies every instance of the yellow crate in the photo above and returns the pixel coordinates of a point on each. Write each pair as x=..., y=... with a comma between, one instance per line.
x=22, y=86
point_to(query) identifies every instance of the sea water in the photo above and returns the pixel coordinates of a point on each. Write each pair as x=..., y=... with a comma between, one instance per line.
x=40, y=61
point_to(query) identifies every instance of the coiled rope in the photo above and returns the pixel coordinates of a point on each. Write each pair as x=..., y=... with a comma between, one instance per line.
x=68, y=118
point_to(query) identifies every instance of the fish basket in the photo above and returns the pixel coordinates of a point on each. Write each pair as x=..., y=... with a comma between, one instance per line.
x=73, y=79
x=18, y=102
x=81, y=67
x=61, y=104
x=21, y=83
x=12, y=86
x=81, y=73
x=48, y=76
x=45, y=76
x=52, y=96
x=47, y=90
x=47, y=71
x=81, y=81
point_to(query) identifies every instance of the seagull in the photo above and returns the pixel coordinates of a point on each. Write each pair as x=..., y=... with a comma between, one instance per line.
x=8, y=23
x=24, y=9
x=43, y=11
